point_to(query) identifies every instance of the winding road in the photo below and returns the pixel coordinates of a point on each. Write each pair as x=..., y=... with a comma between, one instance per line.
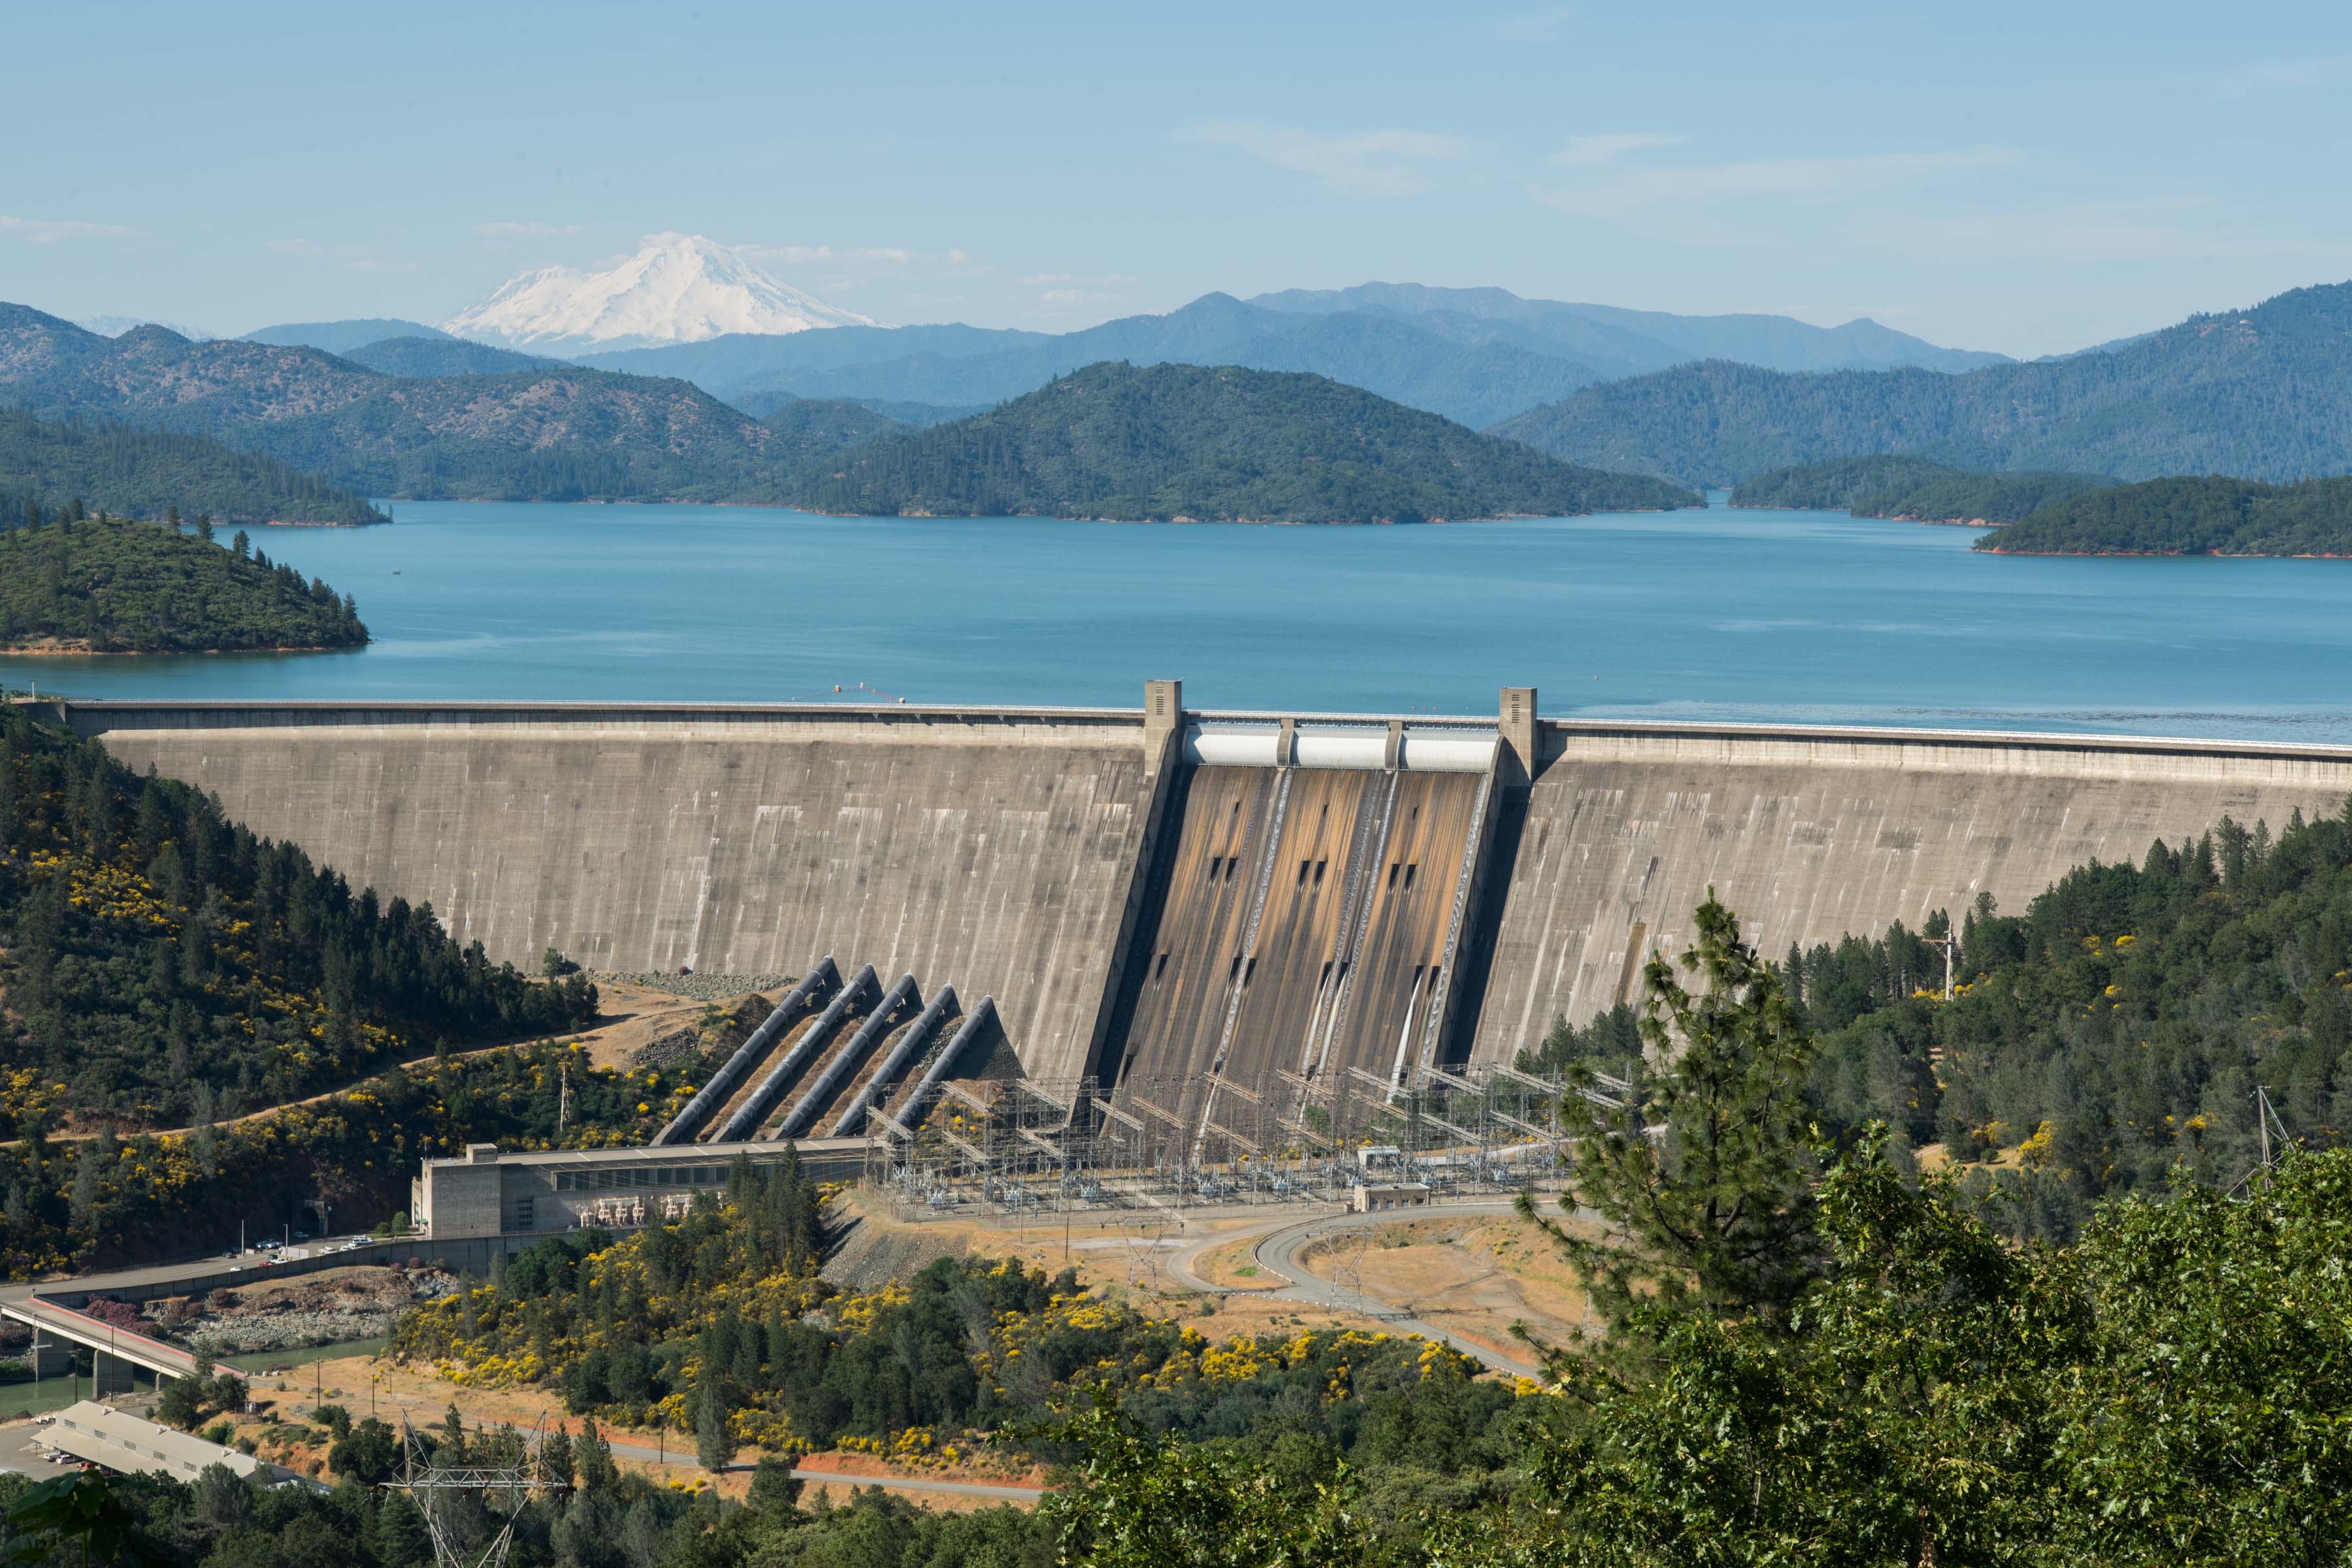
x=1279, y=1250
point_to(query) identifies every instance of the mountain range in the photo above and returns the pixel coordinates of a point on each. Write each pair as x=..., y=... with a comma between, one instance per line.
x=1475, y=355
x=565, y=433
x=684, y=306
x=2263, y=393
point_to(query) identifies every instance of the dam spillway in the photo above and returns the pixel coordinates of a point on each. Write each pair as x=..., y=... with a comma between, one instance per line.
x=1299, y=919
x=1098, y=872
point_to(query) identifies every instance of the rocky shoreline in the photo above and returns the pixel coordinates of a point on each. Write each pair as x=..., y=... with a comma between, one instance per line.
x=697, y=987
x=320, y=1309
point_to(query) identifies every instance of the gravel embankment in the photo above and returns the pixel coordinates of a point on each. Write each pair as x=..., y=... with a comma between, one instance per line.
x=696, y=987
x=358, y=1306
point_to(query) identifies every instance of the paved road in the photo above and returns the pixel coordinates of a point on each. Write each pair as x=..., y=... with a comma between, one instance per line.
x=1277, y=1252
x=682, y=1456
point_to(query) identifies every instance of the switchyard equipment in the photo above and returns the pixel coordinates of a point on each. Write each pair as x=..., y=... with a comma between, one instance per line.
x=1020, y=1146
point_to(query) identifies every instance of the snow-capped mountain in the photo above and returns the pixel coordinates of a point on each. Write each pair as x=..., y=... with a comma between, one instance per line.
x=681, y=289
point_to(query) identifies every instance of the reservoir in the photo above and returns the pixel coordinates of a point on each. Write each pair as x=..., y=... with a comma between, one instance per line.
x=1713, y=614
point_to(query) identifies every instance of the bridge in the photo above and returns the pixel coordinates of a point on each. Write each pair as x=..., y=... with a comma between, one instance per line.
x=104, y=1341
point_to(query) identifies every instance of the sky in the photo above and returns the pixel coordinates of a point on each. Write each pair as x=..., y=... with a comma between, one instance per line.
x=2027, y=178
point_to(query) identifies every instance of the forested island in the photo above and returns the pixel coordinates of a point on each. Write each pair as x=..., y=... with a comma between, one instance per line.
x=1913, y=489
x=75, y=582
x=2196, y=515
x=1186, y=443
x=148, y=474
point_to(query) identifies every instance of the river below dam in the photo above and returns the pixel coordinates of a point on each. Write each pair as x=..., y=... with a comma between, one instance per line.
x=1715, y=615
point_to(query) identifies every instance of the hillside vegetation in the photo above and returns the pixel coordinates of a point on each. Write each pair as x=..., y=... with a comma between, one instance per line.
x=155, y=950
x=1913, y=489
x=2265, y=393
x=1212, y=444
x=812, y=427
x=161, y=967
x=2203, y=516
x=107, y=584
x=444, y=356
x=538, y=435
x=148, y=474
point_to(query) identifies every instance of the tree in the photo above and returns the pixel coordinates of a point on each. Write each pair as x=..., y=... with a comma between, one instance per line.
x=368, y=1452
x=182, y=1403
x=713, y=1446
x=205, y=527
x=87, y=1514
x=1703, y=1184
x=2209, y=1427
x=1138, y=1502
x=1905, y=1410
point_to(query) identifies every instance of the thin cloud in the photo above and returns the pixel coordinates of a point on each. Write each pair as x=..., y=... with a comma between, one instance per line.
x=1388, y=163
x=1068, y=291
x=2284, y=76
x=49, y=231
x=1536, y=26
x=1591, y=151
x=2166, y=227
x=1784, y=179
x=524, y=231
x=828, y=255
x=354, y=257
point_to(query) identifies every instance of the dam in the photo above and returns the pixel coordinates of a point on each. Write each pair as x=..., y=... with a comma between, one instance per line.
x=1174, y=907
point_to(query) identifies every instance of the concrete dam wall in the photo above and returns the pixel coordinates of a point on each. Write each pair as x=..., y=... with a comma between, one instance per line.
x=1809, y=833
x=1179, y=898
x=986, y=851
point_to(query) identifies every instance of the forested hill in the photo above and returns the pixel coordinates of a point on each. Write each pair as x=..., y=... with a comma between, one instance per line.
x=2265, y=392
x=537, y=435
x=1220, y=444
x=444, y=356
x=153, y=947
x=107, y=584
x=2206, y=515
x=145, y=474
x=1914, y=490
x=815, y=425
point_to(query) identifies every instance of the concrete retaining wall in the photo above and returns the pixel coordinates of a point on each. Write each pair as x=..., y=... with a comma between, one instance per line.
x=982, y=849
x=1809, y=833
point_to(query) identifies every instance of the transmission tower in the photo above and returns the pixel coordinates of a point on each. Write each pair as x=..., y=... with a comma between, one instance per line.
x=438, y=1487
x=2266, y=1121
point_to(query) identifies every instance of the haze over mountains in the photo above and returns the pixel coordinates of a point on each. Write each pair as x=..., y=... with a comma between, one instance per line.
x=398, y=408
x=687, y=307
x=551, y=433
x=2265, y=394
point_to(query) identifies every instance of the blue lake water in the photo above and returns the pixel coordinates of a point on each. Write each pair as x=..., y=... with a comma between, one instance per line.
x=1743, y=615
